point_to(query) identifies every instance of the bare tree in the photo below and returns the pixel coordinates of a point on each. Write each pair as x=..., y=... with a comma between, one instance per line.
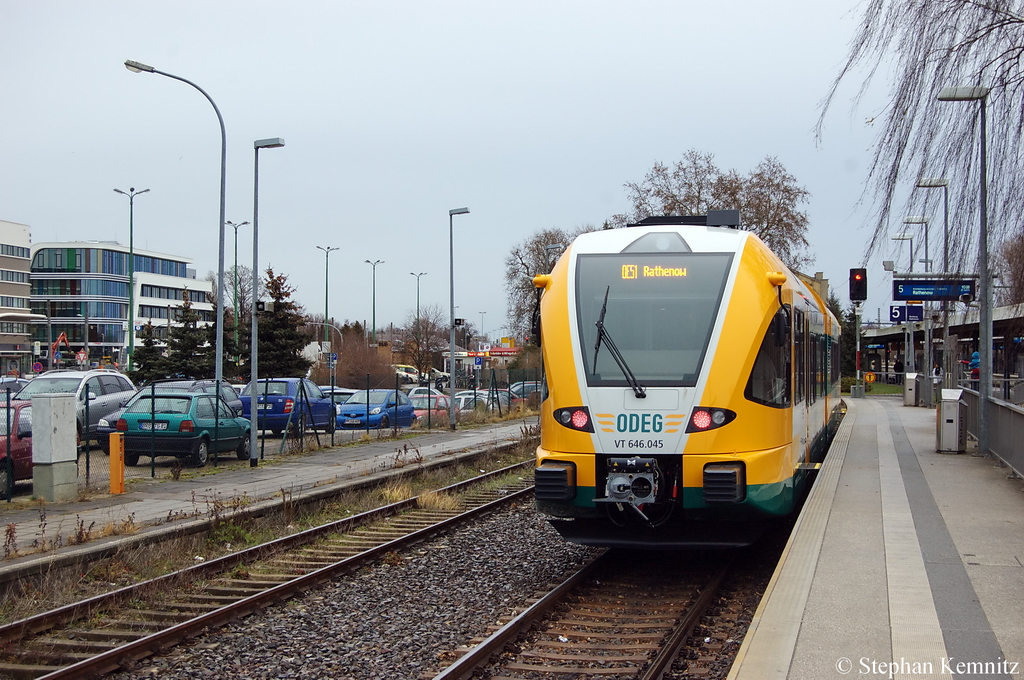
x=529, y=258
x=928, y=45
x=426, y=336
x=768, y=199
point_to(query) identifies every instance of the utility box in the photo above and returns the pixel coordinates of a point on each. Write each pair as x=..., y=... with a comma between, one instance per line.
x=950, y=433
x=54, y=447
x=910, y=389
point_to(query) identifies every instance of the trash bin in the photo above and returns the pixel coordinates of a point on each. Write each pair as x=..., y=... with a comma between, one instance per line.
x=910, y=390
x=924, y=390
x=856, y=391
x=950, y=433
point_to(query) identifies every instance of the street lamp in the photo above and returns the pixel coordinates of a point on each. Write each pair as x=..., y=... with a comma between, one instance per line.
x=928, y=360
x=979, y=94
x=235, y=287
x=131, y=194
x=909, y=335
x=373, y=300
x=272, y=143
x=943, y=183
x=137, y=67
x=482, y=334
x=419, y=331
x=327, y=288
x=451, y=325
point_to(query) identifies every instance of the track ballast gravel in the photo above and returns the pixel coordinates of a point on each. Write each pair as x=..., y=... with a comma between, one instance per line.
x=391, y=620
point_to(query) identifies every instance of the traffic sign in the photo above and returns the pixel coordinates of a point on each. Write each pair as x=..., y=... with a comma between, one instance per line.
x=869, y=377
x=37, y=367
x=57, y=356
x=931, y=290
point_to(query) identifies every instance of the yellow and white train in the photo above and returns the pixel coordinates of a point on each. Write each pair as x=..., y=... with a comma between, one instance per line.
x=692, y=385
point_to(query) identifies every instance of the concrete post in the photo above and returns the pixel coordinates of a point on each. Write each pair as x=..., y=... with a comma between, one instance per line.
x=54, y=447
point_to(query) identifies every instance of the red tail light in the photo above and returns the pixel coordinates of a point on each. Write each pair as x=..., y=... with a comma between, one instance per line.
x=706, y=418
x=186, y=426
x=288, y=405
x=122, y=425
x=574, y=418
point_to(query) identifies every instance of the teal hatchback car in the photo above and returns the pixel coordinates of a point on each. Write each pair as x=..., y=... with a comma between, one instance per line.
x=187, y=426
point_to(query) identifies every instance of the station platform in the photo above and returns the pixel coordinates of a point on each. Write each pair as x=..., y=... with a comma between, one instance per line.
x=39, y=537
x=904, y=563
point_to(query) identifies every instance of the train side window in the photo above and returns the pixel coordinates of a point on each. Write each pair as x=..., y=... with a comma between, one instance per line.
x=768, y=383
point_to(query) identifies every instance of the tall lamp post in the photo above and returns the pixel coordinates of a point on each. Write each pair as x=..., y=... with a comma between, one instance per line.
x=979, y=94
x=235, y=287
x=137, y=67
x=451, y=325
x=373, y=300
x=928, y=360
x=131, y=194
x=327, y=287
x=272, y=143
x=909, y=336
x=419, y=331
x=943, y=183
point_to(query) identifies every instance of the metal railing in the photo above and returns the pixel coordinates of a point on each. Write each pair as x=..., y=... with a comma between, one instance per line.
x=1006, y=429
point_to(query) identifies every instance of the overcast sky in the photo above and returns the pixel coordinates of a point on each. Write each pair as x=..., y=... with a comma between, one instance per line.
x=532, y=114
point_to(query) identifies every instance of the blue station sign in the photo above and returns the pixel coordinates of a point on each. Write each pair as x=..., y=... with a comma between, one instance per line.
x=920, y=289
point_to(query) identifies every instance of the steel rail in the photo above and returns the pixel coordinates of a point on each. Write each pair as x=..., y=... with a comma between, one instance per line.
x=131, y=652
x=468, y=663
x=670, y=650
x=19, y=630
x=478, y=656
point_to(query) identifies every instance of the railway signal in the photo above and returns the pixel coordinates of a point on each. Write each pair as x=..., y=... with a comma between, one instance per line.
x=858, y=284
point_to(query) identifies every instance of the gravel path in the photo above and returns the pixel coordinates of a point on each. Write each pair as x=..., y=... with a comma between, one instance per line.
x=388, y=621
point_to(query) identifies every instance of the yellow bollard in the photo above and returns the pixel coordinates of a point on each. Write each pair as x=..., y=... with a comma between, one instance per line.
x=116, y=462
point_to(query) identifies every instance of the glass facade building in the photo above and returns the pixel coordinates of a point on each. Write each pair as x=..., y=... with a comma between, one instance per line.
x=81, y=290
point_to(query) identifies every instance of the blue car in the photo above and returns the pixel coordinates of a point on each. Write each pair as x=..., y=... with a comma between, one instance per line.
x=383, y=408
x=282, y=402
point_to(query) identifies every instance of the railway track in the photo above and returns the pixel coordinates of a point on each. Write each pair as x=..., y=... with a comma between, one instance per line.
x=114, y=630
x=623, y=615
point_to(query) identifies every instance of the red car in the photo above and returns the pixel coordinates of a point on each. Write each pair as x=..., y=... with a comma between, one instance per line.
x=437, y=405
x=21, y=442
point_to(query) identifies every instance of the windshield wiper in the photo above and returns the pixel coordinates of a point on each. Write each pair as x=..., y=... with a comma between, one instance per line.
x=602, y=336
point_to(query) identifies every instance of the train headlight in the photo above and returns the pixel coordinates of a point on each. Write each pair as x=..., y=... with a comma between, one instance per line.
x=575, y=418
x=706, y=418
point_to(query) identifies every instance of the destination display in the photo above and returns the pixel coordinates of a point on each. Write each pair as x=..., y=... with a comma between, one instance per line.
x=931, y=290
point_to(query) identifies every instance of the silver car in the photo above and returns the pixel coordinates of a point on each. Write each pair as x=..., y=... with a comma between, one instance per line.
x=103, y=391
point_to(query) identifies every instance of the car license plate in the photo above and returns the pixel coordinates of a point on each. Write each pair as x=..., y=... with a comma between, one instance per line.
x=149, y=426
x=353, y=421
x=260, y=407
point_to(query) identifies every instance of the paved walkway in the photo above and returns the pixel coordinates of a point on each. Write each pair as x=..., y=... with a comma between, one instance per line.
x=905, y=563
x=167, y=505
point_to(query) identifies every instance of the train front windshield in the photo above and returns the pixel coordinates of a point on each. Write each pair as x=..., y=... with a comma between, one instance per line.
x=661, y=309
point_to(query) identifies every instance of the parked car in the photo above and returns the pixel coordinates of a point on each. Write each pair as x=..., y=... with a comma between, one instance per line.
x=108, y=423
x=382, y=408
x=341, y=394
x=423, y=391
x=521, y=391
x=436, y=406
x=483, y=399
x=21, y=443
x=186, y=425
x=9, y=382
x=281, y=402
x=408, y=374
x=103, y=390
